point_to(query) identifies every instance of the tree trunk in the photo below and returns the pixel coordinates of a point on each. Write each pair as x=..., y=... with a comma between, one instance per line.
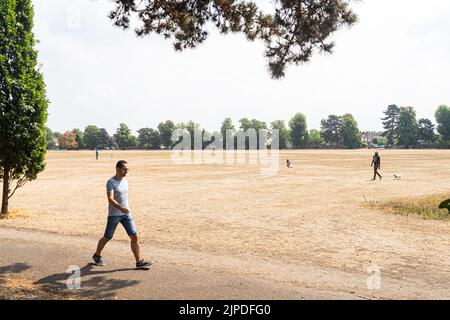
x=5, y=195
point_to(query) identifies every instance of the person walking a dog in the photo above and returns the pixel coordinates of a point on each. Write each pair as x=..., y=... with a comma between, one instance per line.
x=376, y=164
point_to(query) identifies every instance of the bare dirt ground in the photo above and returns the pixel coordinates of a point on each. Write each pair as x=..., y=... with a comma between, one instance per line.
x=303, y=228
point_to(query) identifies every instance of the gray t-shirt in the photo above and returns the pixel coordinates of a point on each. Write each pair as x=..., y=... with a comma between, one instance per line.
x=120, y=189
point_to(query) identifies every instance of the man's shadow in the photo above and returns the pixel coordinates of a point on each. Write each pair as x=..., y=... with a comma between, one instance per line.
x=97, y=285
x=14, y=268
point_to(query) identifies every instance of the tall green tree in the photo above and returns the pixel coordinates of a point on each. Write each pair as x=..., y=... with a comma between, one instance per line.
x=291, y=34
x=254, y=124
x=193, y=129
x=408, y=128
x=124, y=138
x=298, y=131
x=390, y=123
x=283, y=133
x=351, y=136
x=79, y=137
x=91, y=137
x=314, y=138
x=149, y=138
x=104, y=139
x=165, y=131
x=426, y=131
x=227, y=124
x=245, y=124
x=259, y=125
x=331, y=130
x=23, y=102
x=443, y=120
x=206, y=138
x=51, y=144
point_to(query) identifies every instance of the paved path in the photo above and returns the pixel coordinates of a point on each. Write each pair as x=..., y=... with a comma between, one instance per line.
x=44, y=258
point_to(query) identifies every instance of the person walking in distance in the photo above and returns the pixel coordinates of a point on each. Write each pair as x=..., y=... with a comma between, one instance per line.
x=119, y=212
x=376, y=164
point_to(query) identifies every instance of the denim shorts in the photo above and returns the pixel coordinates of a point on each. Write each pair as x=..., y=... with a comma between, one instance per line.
x=126, y=221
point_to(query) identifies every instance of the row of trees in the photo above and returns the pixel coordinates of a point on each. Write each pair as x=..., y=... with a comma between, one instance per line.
x=402, y=129
x=93, y=137
x=296, y=135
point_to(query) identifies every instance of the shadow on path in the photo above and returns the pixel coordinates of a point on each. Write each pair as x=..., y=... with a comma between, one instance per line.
x=97, y=285
x=14, y=268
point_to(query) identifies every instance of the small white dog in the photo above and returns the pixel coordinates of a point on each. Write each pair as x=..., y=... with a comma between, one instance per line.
x=398, y=176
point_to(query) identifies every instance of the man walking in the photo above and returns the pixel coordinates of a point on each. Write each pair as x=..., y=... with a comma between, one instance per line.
x=119, y=212
x=376, y=164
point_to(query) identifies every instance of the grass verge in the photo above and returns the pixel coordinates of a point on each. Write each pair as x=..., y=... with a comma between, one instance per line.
x=426, y=207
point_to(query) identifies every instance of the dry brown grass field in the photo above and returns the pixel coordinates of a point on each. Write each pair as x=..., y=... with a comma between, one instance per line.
x=308, y=226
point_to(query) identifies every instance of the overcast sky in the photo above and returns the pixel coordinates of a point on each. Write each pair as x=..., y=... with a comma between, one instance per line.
x=398, y=53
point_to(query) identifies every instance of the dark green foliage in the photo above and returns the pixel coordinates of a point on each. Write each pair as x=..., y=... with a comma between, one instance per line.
x=227, y=124
x=165, y=131
x=390, y=123
x=408, y=128
x=79, y=137
x=246, y=125
x=443, y=119
x=314, y=138
x=351, y=136
x=104, y=139
x=341, y=131
x=380, y=141
x=298, y=131
x=291, y=34
x=331, y=130
x=91, y=137
x=23, y=102
x=124, y=139
x=426, y=131
x=445, y=205
x=51, y=141
x=149, y=138
x=283, y=133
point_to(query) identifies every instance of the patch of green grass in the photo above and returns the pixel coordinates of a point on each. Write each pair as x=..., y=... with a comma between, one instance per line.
x=426, y=207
